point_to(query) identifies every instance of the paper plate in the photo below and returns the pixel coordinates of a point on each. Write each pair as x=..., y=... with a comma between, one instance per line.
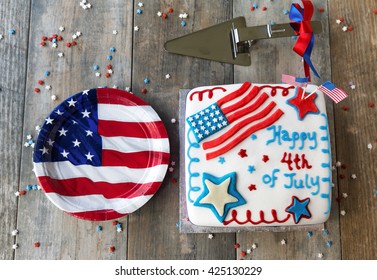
x=101, y=154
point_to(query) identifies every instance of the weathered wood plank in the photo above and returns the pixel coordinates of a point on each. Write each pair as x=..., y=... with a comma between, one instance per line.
x=270, y=59
x=152, y=230
x=353, y=59
x=60, y=235
x=13, y=57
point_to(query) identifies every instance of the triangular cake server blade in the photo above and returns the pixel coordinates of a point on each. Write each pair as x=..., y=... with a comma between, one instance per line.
x=212, y=43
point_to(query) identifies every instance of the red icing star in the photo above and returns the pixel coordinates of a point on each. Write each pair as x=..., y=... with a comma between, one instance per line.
x=242, y=153
x=304, y=103
x=252, y=187
x=265, y=158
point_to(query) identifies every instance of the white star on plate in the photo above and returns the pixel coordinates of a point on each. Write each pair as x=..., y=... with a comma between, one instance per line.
x=89, y=156
x=63, y=132
x=76, y=143
x=218, y=195
x=85, y=114
x=85, y=92
x=89, y=133
x=44, y=150
x=71, y=102
x=49, y=120
x=50, y=142
x=65, y=154
x=59, y=113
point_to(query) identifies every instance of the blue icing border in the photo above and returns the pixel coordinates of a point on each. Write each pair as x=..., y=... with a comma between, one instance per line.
x=191, y=161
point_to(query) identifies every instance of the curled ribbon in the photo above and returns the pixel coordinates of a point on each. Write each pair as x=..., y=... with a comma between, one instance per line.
x=303, y=28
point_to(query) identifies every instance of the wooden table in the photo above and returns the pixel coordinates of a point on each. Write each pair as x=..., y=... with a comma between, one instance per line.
x=151, y=232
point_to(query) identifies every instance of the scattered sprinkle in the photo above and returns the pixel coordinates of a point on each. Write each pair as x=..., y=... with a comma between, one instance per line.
x=353, y=176
x=285, y=11
x=159, y=14
x=144, y=90
x=210, y=236
x=183, y=23
x=329, y=244
x=54, y=97
x=112, y=249
x=136, y=28
x=115, y=32
x=109, y=57
x=37, y=90
x=183, y=15
x=171, y=169
x=345, y=195
x=170, y=10
x=338, y=164
x=146, y=81
x=264, y=8
x=1, y=36
x=12, y=31
x=14, y=246
x=343, y=212
x=37, y=244
x=345, y=108
x=309, y=234
x=248, y=251
x=48, y=87
x=167, y=76
x=236, y=246
x=321, y=10
x=320, y=255
x=61, y=28
x=15, y=232
x=112, y=49
x=254, y=246
x=98, y=74
x=47, y=73
x=370, y=146
x=371, y=104
x=326, y=232
x=60, y=54
x=242, y=254
x=164, y=16
x=345, y=28
x=95, y=67
x=139, y=11
x=140, y=4
x=173, y=120
x=283, y=242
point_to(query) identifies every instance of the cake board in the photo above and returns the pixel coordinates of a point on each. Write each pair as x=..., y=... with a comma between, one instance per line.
x=185, y=226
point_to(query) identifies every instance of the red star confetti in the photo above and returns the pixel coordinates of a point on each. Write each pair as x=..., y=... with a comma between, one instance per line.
x=252, y=187
x=37, y=244
x=236, y=246
x=371, y=104
x=112, y=249
x=264, y=8
x=321, y=9
x=345, y=108
x=265, y=158
x=242, y=153
x=242, y=254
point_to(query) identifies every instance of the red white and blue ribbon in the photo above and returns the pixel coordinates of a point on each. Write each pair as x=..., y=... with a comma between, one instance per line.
x=305, y=41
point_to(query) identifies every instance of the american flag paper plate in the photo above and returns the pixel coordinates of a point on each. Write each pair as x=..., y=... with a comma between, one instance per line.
x=101, y=154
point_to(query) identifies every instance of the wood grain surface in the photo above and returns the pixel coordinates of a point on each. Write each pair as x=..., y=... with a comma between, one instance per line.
x=152, y=232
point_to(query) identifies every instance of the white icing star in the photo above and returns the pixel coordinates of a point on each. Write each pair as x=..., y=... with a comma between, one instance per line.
x=85, y=114
x=65, y=154
x=218, y=195
x=63, y=132
x=76, y=143
x=89, y=156
x=72, y=102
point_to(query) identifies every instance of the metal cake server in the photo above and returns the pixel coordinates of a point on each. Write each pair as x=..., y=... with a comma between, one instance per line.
x=231, y=41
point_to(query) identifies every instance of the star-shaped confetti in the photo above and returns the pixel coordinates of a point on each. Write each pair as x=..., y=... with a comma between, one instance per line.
x=304, y=103
x=299, y=209
x=221, y=160
x=219, y=194
x=242, y=153
x=251, y=168
x=252, y=187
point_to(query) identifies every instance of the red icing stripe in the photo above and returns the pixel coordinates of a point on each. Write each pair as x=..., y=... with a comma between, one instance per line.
x=221, y=139
x=245, y=86
x=84, y=186
x=263, y=124
x=132, y=129
x=250, y=96
x=142, y=159
x=261, y=220
x=238, y=114
x=114, y=96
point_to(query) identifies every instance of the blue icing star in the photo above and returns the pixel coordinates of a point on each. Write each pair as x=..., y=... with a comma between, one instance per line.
x=219, y=194
x=221, y=160
x=251, y=168
x=299, y=209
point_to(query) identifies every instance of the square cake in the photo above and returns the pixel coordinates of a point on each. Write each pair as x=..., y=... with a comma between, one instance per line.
x=257, y=155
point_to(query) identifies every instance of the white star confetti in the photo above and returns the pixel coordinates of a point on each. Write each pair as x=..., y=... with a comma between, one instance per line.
x=74, y=36
x=338, y=164
x=353, y=176
x=61, y=28
x=283, y=242
x=248, y=251
x=17, y=193
x=29, y=137
x=254, y=246
x=60, y=54
x=38, y=128
x=48, y=87
x=140, y=4
x=1, y=36
x=136, y=28
x=78, y=33
x=98, y=74
x=345, y=28
x=345, y=195
x=167, y=76
x=54, y=97
x=15, y=232
x=54, y=45
x=115, y=32
x=370, y=146
x=320, y=255
x=343, y=212
x=119, y=229
x=14, y=246
x=159, y=14
x=210, y=236
x=173, y=120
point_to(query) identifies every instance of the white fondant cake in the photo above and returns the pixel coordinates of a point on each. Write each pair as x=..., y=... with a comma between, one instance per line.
x=257, y=155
